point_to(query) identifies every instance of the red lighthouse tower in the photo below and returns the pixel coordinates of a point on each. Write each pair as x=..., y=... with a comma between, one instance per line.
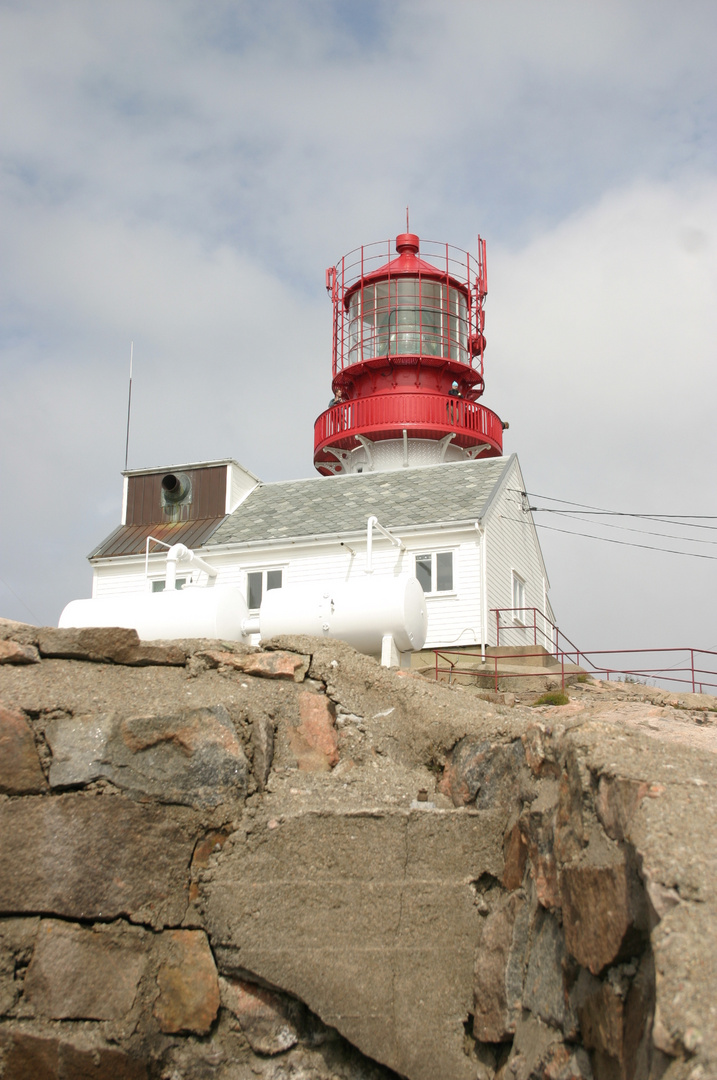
x=407, y=370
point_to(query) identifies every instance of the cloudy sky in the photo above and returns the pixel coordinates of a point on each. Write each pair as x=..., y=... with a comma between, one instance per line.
x=180, y=173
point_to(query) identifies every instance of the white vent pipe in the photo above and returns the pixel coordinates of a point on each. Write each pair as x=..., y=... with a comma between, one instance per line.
x=179, y=553
x=374, y=523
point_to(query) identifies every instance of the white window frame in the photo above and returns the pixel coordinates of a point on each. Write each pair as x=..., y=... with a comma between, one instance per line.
x=179, y=583
x=263, y=570
x=518, y=593
x=434, y=575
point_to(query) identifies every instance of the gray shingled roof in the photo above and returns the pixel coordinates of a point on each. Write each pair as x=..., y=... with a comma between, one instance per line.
x=457, y=491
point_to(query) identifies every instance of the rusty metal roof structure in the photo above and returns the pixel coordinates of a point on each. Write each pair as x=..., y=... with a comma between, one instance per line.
x=132, y=539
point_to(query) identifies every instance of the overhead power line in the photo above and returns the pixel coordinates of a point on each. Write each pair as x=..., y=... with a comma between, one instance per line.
x=587, y=508
x=27, y=608
x=642, y=532
x=622, y=543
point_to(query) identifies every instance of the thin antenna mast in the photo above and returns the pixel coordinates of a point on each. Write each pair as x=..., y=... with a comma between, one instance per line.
x=129, y=404
x=407, y=225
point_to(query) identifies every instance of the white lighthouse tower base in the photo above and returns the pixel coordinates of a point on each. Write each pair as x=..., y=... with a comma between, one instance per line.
x=391, y=454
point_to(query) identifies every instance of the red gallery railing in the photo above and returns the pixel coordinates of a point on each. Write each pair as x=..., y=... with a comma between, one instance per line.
x=422, y=415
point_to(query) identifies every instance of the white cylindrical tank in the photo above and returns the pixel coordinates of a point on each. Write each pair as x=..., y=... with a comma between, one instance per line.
x=185, y=613
x=360, y=612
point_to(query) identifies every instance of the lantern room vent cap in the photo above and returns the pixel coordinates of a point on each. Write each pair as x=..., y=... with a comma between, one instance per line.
x=407, y=242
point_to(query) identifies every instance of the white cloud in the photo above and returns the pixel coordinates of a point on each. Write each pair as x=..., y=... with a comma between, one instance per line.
x=181, y=174
x=602, y=356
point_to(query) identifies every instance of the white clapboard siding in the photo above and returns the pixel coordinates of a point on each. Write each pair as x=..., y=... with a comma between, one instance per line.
x=512, y=546
x=240, y=484
x=454, y=618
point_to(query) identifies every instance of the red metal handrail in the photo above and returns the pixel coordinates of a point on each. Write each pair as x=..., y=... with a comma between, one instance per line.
x=453, y=669
x=423, y=415
x=561, y=647
x=697, y=678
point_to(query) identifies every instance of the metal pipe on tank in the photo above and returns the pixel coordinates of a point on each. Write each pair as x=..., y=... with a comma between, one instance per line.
x=374, y=523
x=179, y=553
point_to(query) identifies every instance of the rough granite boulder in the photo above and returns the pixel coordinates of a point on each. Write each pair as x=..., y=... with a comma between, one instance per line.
x=222, y=863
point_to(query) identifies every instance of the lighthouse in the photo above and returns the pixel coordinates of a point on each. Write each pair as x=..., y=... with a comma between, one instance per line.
x=407, y=360
x=415, y=535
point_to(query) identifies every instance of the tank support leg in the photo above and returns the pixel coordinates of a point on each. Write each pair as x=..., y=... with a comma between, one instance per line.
x=390, y=656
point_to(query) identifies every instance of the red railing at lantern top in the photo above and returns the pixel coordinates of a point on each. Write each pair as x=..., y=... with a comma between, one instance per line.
x=416, y=412
x=686, y=666
x=450, y=266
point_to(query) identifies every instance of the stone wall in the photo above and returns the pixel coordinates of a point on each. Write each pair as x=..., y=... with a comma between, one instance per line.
x=220, y=862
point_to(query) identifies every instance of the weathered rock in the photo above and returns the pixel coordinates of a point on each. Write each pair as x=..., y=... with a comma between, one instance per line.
x=188, y=984
x=500, y=970
x=11, y=652
x=368, y=918
x=683, y=1027
x=78, y=973
x=262, y=743
x=208, y=845
x=537, y=825
x=324, y=884
x=569, y=824
x=30, y=1057
x=315, y=741
x=515, y=854
x=540, y=751
x=23, y=633
x=78, y=745
x=20, y=769
x=267, y=665
x=17, y=941
x=96, y=857
x=617, y=801
x=615, y=1022
x=538, y=1051
x=114, y=644
x=193, y=758
x=277, y=665
x=544, y=994
x=265, y=1017
x=601, y=910
x=483, y=772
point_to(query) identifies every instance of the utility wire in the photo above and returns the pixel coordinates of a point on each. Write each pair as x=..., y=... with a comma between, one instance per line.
x=668, y=519
x=623, y=543
x=10, y=589
x=641, y=532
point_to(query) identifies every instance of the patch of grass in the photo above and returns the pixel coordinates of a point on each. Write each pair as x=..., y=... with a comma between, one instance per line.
x=553, y=697
x=582, y=678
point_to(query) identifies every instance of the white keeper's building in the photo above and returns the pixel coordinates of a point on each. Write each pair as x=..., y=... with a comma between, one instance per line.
x=414, y=480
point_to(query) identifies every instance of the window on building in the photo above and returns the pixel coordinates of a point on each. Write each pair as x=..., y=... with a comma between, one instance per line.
x=519, y=609
x=158, y=586
x=258, y=582
x=434, y=571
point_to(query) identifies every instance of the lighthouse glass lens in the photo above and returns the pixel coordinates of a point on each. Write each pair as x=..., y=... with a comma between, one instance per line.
x=407, y=316
x=432, y=303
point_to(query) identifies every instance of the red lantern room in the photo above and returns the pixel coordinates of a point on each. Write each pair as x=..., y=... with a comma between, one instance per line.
x=408, y=349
